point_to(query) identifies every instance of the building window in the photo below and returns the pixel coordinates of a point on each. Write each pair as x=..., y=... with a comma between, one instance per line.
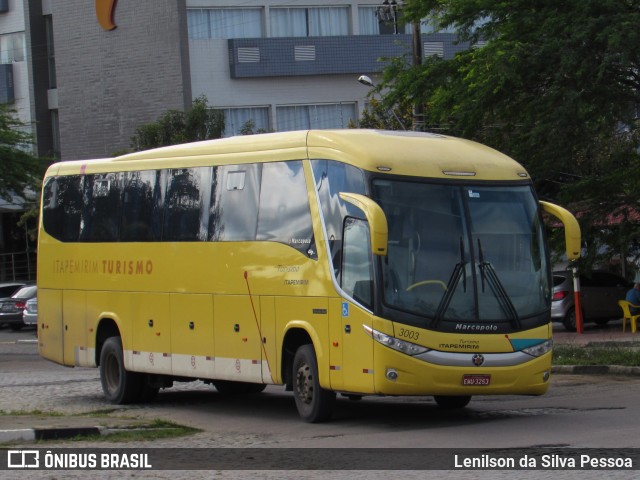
x=51, y=58
x=323, y=116
x=55, y=135
x=242, y=121
x=371, y=23
x=309, y=22
x=206, y=23
x=12, y=48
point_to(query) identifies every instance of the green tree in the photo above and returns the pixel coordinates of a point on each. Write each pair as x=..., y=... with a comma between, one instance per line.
x=174, y=126
x=249, y=128
x=553, y=84
x=21, y=170
x=383, y=116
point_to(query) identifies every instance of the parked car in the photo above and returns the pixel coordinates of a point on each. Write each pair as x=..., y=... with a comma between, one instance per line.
x=11, y=308
x=30, y=313
x=599, y=295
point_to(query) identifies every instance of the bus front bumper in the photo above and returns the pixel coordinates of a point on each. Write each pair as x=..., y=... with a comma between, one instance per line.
x=466, y=374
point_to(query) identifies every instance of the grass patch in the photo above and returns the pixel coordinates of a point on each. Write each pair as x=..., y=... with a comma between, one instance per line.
x=608, y=354
x=4, y=413
x=122, y=429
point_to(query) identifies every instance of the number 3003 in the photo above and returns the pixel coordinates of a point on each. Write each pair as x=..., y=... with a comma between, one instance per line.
x=410, y=334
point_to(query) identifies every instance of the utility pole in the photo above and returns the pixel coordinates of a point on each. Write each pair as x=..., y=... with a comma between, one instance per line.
x=388, y=12
x=418, y=122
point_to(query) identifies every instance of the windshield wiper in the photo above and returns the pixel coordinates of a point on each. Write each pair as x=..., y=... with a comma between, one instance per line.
x=489, y=273
x=460, y=270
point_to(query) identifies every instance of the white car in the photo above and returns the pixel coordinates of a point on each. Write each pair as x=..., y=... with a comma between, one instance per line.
x=30, y=313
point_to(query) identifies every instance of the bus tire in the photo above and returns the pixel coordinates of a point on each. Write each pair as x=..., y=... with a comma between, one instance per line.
x=119, y=385
x=452, y=402
x=314, y=403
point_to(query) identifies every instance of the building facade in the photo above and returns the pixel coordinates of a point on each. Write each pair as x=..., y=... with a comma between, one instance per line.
x=270, y=65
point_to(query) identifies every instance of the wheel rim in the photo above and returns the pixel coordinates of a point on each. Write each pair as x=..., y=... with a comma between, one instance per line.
x=304, y=384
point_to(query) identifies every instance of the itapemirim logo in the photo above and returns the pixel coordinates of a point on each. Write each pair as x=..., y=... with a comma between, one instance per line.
x=105, y=10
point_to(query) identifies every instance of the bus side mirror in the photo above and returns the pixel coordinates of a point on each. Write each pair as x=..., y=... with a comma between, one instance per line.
x=376, y=218
x=571, y=228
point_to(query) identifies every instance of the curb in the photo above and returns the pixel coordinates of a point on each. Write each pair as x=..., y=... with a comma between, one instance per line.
x=33, y=434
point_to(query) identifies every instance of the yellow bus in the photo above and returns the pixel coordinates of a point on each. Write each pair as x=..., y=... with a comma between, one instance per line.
x=352, y=262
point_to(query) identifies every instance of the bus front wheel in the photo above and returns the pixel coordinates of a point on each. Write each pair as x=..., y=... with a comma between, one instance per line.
x=119, y=385
x=314, y=403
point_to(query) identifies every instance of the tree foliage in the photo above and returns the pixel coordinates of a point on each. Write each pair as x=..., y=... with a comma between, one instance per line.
x=380, y=115
x=174, y=126
x=21, y=171
x=556, y=86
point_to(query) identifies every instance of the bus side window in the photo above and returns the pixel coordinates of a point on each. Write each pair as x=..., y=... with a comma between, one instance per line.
x=62, y=207
x=356, y=261
x=331, y=178
x=138, y=207
x=184, y=203
x=101, y=212
x=235, y=193
x=284, y=214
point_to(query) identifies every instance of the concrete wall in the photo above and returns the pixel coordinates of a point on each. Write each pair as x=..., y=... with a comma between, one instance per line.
x=13, y=21
x=110, y=82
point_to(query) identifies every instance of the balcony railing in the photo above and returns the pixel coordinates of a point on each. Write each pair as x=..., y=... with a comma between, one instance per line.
x=18, y=266
x=352, y=54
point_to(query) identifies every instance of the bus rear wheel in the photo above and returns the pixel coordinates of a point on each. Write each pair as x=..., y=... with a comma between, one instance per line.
x=119, y=385
x=314, y=403
x=451, y=402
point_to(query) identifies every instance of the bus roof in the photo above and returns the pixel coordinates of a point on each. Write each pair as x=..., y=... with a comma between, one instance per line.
x=397, y=152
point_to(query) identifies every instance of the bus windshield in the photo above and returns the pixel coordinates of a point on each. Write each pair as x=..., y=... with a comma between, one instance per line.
x=471, y=253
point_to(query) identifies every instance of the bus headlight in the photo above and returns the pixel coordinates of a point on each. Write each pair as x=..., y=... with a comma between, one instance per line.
x=540, y=349
x=395, y=343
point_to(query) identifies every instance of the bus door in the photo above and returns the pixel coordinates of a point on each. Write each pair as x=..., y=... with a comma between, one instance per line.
x=357, y=283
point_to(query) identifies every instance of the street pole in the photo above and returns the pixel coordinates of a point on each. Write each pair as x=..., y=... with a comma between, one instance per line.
x=417, y=61
x=576, y=300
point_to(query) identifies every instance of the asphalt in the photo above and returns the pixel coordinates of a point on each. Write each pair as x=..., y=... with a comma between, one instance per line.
x=30, y=428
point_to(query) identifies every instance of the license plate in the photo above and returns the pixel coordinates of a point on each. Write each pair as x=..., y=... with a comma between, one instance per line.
x=7, y=307
x=476, y=380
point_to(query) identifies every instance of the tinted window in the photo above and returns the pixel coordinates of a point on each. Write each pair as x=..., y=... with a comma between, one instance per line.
x=101, y=212
x=8, y=290
x=606, y=279
x=187, y=189
x=186, y=204
x=235, y=192
x=356, y=268
x=62, y=206
x=142, y=203
x=284, y=206
x=558, y=280
x=25, y=292
x=332, y=178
